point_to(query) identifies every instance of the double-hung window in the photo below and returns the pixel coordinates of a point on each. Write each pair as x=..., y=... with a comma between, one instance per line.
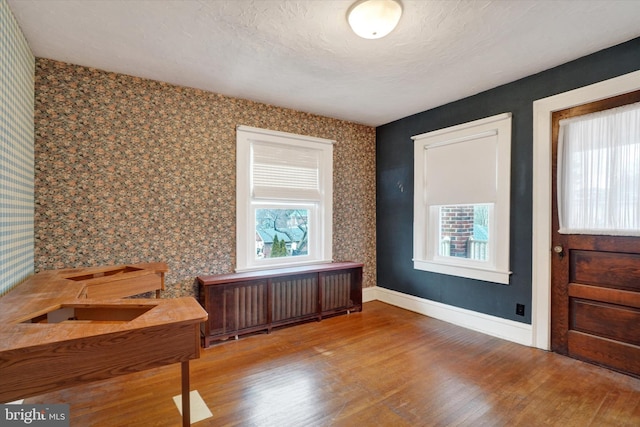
x=284, y=193
x=461, y=200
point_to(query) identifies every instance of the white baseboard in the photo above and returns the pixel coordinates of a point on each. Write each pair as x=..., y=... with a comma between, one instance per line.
x=510, y=330
x=369, y=294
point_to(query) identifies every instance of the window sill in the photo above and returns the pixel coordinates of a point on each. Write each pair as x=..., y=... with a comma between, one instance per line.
x=469, y=272
x=266, y=267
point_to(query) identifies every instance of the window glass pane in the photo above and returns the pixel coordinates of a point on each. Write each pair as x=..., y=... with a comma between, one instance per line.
x=282, y=233
x=464, y=231
x=599, y=172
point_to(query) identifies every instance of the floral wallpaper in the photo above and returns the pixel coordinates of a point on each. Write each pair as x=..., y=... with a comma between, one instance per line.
x=133, y=170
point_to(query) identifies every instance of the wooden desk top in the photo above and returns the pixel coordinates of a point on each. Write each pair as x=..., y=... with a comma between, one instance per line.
x=50, y=290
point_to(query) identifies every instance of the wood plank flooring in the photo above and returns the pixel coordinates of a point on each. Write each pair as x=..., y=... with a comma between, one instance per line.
x=382, y=367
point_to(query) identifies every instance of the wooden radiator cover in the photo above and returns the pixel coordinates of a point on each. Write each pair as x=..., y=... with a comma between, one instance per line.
x=243, y=303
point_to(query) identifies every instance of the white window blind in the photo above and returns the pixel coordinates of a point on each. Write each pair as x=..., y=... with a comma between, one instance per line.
x=285, y=172
x=462, y=171
x=599, y=172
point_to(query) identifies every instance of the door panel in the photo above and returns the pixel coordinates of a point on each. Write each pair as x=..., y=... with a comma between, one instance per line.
x=608, y=269
x=595, y=298
x=605, y=320
x=605, y=352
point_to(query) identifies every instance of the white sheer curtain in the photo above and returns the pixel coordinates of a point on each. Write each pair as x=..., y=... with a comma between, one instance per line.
x=599, y=173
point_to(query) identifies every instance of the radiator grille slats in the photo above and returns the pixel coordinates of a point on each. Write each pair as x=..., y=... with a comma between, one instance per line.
x=294, y=298
x=336, y=290
x=246, y=307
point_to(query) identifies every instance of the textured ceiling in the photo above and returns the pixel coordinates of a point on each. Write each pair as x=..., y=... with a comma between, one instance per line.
x=302, y=54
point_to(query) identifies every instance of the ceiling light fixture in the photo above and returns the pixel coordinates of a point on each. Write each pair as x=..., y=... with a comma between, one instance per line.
x=373, y=19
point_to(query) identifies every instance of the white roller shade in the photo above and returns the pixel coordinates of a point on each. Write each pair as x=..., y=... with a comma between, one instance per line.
x=462, y=171
x=285, y=172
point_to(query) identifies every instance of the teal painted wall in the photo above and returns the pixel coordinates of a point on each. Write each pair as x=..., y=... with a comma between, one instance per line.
x=394, y=180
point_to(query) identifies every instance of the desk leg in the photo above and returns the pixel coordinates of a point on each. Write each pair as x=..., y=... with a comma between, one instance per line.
x=186, y=406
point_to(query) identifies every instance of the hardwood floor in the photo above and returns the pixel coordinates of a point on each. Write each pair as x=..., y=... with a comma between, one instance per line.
x=382, y=367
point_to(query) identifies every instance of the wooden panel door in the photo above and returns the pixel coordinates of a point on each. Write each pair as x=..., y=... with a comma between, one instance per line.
x=595, y=299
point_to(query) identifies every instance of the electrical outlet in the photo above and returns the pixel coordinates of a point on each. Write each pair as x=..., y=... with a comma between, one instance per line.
x=520, y=309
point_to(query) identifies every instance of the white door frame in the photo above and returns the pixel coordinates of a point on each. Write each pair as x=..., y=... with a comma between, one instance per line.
x=541, y=262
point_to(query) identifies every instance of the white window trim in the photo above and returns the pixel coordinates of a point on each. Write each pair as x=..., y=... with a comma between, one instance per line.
x=321, y=250
x=424, y=257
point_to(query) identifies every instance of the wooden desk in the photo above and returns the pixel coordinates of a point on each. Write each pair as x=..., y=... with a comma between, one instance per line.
x=53, y=337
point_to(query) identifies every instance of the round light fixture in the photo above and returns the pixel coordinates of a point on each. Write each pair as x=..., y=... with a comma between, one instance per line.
x=373, y=19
